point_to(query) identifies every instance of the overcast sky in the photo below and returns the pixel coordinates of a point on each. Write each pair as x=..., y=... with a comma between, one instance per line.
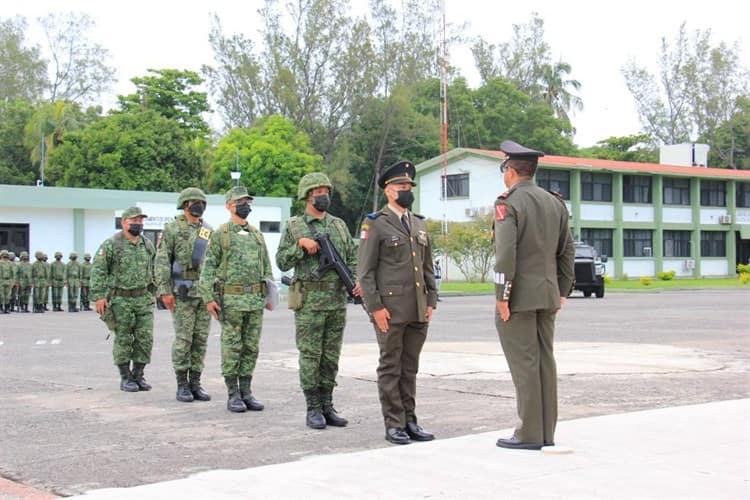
x=595, y=37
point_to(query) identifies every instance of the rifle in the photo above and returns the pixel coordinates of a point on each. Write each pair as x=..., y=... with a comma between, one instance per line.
x=182, y=285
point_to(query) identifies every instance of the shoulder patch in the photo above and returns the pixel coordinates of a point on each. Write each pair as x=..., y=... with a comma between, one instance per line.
x=500, y=211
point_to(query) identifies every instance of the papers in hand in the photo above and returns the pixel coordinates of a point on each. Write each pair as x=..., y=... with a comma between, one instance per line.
x=272, y=295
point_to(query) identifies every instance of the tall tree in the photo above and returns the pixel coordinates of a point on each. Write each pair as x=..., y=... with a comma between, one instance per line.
x=636, y=148
x=172, y=94
x=22, y=70
x=556, y=90
x=77, y=65
x=16, y=166
x=696, y=89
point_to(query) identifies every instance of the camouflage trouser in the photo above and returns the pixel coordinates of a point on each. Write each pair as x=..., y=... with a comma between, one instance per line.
x=319, y=338
x=85, y=295
x=72, y=294
x=191, y=324
x=5, y=293
x=57, y=293
x=40, y=295
x=134, y=334
x=46, y=294
x=23, y=295
x=240, y=336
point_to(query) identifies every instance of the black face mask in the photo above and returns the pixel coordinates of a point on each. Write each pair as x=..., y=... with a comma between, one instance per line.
x=243, y=210
x=196, y=209
x=135, y=229
x=58, y=259
x=405, y=199
x=321, y=202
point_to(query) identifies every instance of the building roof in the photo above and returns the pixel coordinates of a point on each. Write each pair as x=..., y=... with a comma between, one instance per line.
x=593, y=165
x=101, y=199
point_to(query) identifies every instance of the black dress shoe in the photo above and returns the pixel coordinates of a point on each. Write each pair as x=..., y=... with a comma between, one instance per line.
x=417, y=433
x=516, y=444
x=397, y=436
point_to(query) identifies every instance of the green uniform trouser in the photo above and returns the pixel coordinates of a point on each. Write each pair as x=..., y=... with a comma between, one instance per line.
x=85, y=295
x=40, y=295
x=57, y=293
x=400, y=348
x=527, y=339
x=134, y=334
x=191, y=325
x=23, y=295
x=5, y=293
x=72, y=295
x=319, y=338
x=240, y=336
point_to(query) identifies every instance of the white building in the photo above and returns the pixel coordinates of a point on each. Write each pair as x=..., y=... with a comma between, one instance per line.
x=645, y=217
x=54, y=219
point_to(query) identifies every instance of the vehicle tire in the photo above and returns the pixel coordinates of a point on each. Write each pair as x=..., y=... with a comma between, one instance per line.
x=587, y=293
x=600, y=293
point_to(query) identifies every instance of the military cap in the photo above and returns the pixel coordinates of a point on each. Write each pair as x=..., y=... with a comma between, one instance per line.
x=58, y=254
x=398, y=173
x=73, y=255
x=515, y=151
x=237, y=193
x=191, y=193
x=131, y=212
x=3, y=253
x=24, y=255
x=87, y=256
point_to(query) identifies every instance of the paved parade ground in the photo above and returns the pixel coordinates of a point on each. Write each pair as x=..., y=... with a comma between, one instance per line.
x=65, y=427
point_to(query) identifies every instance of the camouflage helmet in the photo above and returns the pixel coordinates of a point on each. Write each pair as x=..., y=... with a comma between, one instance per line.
x=11, y=255
x=87, y=256
x=58, y=254
x=3, y=253
x=24, y=255
x=190, y=193
x=310, y=182
x=38, y=255
x=73, y=255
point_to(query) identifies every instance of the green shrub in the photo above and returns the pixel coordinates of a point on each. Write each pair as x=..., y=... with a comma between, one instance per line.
x=744, y=278
x=666, y=275
x=645, y=280
x=625, y=277
x=743, y=268
x=608, y=279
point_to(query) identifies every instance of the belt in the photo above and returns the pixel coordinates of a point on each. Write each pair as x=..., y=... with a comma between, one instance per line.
x=190, y=275
x=322, y=286
x=243, y=289
x=135, y=292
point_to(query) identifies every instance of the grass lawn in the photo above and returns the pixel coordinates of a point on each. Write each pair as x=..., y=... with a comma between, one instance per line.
x=656, y=284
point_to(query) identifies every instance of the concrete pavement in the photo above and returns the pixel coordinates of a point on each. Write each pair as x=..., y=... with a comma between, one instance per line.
x=698, y=451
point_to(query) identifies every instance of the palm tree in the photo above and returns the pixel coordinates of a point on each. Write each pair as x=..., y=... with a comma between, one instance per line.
x=555, y=90
x=46, y=128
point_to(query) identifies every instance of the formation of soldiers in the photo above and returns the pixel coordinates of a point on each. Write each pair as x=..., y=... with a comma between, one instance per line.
x=36, y=284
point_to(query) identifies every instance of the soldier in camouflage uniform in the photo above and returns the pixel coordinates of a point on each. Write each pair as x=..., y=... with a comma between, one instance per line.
x=85, y=279
x=24, y=282
x=57, y=279
x=179, y=261
x=14, y=288
x=233, y=284
x=48, y=287
x=39, y=281
x=122, y=279
x=73, y=281
x=7, y=281
x=320, y=311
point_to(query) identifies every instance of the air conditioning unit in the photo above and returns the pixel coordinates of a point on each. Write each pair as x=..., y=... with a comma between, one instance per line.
x=485, y=210
x=725, y=219
x=470, y=212
x=689, y=264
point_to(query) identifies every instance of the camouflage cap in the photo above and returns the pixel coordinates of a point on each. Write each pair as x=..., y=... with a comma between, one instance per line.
x=12, y=255
x=58, y=254
x=39, y=255
x=131, y=212
x=237, y=193
x=24, y=255
x=73, y=255
x=87, y=256
x=3, y=253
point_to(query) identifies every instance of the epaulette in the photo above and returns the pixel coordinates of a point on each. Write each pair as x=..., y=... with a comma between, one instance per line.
x=375, y=215
x=555, y=193
x=418, y=216
x=504, y=196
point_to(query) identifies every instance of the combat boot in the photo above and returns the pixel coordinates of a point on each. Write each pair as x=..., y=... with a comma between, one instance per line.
x=138, y=377
x=314, y=419
x=196, y=389
x=127, y=383
x=329, y=412
x=247, y=395
x=183, y=390
x=234, y=403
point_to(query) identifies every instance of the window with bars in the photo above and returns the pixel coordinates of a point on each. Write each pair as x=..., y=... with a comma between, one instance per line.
x=743, y=194
x=600, y=239
x=457, y=186
x=554, y=180
x=637, y=242
x=636, y=189
x=713, y=244
x=713, y=193
x=676, y=243
x=676, y=191
x=596, y=187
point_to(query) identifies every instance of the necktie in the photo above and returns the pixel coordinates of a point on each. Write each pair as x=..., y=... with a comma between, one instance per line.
x=405, y=222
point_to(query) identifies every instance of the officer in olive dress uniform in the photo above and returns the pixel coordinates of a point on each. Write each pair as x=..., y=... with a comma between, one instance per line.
x=533, y=275
x=398, y=286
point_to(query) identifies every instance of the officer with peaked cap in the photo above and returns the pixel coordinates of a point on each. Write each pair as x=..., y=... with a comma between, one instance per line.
x=398, y=286
x=533, y=276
